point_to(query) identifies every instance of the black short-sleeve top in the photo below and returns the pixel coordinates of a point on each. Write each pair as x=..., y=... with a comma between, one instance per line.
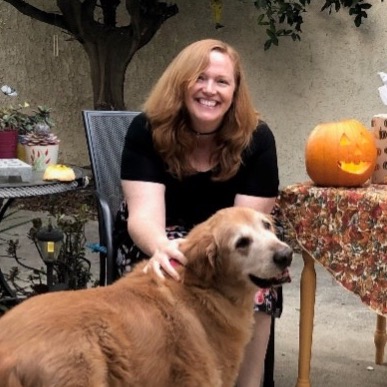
x=196, y=197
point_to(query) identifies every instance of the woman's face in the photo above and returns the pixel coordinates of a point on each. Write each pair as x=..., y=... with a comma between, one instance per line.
x=208, y=100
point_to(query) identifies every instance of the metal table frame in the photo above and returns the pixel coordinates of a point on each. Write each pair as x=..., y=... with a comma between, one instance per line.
x=9, y=191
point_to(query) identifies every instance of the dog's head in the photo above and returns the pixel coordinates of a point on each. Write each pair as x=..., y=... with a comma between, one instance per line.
x=235, y=247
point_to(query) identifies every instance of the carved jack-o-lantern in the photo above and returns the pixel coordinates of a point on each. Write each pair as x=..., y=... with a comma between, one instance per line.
x=340, y=154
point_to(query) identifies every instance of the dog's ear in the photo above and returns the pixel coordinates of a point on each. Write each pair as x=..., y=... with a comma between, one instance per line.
x=212, y=252
x=201, y=251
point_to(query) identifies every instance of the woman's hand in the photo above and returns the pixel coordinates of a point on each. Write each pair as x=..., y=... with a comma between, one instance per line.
x=161, y=259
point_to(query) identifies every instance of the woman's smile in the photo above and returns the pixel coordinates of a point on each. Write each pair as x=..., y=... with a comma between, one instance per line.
x=207, y=103
x=209, y=99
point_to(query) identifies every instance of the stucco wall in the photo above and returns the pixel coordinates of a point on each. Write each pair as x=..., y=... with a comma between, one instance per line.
x=329, y=75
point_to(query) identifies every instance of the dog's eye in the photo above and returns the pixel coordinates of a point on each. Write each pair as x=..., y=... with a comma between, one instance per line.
x=266, y=225
x=243, y=242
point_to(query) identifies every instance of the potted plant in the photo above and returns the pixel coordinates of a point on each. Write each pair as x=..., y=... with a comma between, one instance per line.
x=8, y=129
x=41, y=144
x=20, y=122
x=25, y=128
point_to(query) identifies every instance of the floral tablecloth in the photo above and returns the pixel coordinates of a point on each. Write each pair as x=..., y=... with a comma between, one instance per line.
x=344, y=229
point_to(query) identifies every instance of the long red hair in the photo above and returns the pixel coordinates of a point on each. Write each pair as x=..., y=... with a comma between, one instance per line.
x=169, y=118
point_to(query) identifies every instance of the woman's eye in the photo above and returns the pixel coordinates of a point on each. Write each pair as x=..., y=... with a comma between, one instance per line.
x=223, y=82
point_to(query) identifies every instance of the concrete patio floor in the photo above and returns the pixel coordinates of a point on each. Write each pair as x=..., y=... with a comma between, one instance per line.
x=343, y=350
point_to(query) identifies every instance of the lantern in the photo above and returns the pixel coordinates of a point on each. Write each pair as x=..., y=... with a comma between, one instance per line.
x=49, y=242
x=340, y=154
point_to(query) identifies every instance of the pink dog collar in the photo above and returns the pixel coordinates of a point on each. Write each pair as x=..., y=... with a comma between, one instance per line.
x=174, y=262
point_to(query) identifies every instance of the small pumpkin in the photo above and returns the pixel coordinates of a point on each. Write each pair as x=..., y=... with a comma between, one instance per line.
x=340, y=153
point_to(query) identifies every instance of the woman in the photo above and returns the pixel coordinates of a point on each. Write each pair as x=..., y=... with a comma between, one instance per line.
x=198, y=146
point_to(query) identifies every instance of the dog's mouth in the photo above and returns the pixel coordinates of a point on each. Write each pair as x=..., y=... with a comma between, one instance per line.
x=280, y=279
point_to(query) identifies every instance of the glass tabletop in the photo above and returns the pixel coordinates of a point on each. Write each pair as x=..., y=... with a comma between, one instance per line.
x=14, y=187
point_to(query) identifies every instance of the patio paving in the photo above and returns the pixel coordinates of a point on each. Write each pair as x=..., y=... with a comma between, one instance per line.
x=343, y=348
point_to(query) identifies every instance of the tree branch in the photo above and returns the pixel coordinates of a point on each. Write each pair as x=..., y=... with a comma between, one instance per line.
x=276, y=13
x=88, y=8
x=109, y=9
x=36, y=13
x=147, y=16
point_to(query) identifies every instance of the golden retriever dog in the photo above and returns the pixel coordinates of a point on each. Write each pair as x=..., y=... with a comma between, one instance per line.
x=143, y=331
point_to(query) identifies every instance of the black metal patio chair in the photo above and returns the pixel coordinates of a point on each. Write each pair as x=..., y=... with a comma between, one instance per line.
x=105, y=134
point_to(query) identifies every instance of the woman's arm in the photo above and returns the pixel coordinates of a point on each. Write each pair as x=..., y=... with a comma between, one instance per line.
x=146, y=210
x=146, y=224
x=257, y=203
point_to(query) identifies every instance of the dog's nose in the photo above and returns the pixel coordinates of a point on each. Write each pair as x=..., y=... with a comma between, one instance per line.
x=283, y=258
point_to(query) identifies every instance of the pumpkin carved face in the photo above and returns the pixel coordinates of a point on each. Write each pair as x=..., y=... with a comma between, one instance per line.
x=340, y=154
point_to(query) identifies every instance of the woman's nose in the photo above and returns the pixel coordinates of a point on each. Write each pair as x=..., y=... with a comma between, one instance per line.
x=209, y=87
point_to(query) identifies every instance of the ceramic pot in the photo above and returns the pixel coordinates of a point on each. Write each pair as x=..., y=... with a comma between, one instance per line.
x=8, y=144
x=40, y=156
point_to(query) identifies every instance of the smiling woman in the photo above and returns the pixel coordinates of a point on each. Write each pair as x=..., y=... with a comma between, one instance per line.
x=197, y=147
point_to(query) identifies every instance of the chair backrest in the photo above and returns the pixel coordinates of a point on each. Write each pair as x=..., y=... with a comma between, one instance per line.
x=105, y=134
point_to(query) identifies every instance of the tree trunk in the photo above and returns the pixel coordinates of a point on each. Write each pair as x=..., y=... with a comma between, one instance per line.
x=108, y=62
x=109, y=48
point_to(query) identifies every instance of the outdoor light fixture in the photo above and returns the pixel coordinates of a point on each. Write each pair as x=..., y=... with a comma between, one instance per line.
x=49, y=242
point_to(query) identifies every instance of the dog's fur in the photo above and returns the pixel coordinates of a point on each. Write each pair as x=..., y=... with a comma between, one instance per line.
x=144, y=331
